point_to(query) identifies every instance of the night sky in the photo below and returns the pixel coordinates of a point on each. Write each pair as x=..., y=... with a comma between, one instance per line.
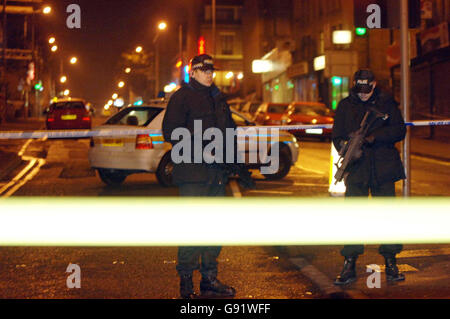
x=108, y=28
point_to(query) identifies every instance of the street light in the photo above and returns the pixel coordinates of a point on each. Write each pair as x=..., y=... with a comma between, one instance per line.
x=73, y=60
x=127, y=70
x=114, y=96
x=51, y=40
x=162, y=25
x=47, y=10
x=54, y=48
x=63, y=79
x=139, y=49
x=66, y=92
x=121, y=84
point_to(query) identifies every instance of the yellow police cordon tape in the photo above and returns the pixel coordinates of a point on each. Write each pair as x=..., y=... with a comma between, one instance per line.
x=175, y=222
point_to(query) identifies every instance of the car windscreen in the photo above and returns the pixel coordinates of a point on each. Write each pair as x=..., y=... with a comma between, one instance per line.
x=312, y=110
x=67, y=106
x=277, y=108
x=136, y=116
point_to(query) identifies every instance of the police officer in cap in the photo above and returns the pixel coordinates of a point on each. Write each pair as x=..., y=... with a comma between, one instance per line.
x=379, y=167
x=200, y=99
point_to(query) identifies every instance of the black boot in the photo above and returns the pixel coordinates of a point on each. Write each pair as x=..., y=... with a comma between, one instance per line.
x=187, y=287
x=348, y=274
x=392, y=272
x=212, y=287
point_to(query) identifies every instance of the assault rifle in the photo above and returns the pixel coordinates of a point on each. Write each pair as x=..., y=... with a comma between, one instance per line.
x=352, y=150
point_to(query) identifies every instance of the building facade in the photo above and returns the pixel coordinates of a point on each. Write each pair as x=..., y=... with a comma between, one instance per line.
x=319, y=69
x=221, y=37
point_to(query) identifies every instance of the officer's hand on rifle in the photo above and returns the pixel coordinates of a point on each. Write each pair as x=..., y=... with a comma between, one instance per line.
x=369, y=139
x=245, y=179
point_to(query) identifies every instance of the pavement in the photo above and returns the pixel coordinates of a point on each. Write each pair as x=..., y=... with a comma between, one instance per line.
x=9, y=159
x=430, y=148
x=426, y=269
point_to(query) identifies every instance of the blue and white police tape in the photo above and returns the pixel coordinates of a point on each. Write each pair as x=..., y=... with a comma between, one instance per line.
x=104, y=132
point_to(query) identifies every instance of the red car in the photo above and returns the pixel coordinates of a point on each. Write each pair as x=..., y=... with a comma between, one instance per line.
x=309, y=113
x=68, y=114
x=271, y=113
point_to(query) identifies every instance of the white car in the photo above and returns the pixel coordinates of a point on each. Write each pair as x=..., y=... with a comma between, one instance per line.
x=117, y=157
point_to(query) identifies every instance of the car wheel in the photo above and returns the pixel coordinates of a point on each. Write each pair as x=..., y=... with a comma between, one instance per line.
x=284, y=164
x=111, y=177
x=164, y=171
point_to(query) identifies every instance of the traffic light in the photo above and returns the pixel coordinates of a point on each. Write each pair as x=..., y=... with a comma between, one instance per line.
x=361, y=32
x=337, y=81
x=38, y=86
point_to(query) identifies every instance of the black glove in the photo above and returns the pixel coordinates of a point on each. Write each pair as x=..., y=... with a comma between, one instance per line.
x=369, y=139
x=245, y=179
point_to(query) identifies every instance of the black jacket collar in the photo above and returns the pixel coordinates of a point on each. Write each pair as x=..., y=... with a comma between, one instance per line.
x=198, y=86
x=373, y=99
x=212, y=90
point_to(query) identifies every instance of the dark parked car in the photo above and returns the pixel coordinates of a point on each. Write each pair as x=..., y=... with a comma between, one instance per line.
x=270, y=113
x=309, y=113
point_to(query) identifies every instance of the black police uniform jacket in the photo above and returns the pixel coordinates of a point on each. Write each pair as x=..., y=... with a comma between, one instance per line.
x=191, y=102
x=380, y=162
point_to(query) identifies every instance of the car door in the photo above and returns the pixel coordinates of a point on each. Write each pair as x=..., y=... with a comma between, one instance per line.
x=247, y=145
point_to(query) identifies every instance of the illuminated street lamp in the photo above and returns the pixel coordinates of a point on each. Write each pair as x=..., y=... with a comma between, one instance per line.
x=66, y=92
x=121, y=84
x=162, y=25
x=114, y=96
x=63, y=79
x=51, y=40
x=73, y=60
x=119, y=102
x=47, y=10
x=139, y=49
x=127, y=70
x=54, y=48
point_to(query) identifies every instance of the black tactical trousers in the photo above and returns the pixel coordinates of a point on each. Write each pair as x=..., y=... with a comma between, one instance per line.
x=189, y=257
x=386, y=189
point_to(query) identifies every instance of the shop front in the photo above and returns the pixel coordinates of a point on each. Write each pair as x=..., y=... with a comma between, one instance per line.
x=305, y=83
